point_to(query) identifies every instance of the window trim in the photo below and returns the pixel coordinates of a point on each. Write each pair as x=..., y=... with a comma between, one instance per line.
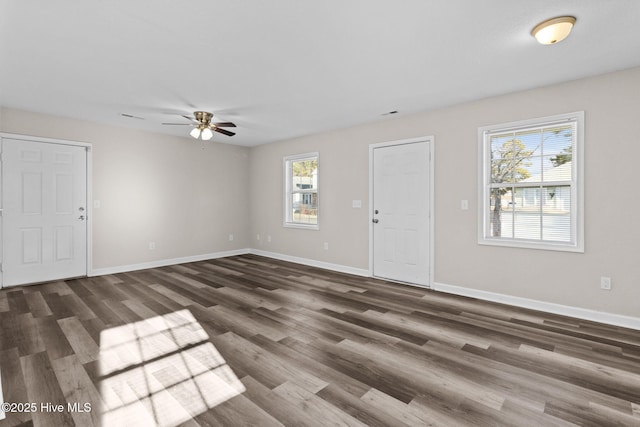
x=577, y=184
x=287, y=220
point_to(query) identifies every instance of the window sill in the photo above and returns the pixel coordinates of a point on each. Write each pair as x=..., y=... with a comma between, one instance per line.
x=301, y=226
x=521, y=244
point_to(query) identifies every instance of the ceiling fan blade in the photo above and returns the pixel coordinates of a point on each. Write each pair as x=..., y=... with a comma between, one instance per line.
x=189, y=118
x=178, y=124
x=224, y=125
x=223, y=131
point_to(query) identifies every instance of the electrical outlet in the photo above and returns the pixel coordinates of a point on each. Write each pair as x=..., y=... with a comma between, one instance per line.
x=269, y=239
x=326, y=246
x=257, y=237
x=605, y=283
x=152, y=246
x=231, y=237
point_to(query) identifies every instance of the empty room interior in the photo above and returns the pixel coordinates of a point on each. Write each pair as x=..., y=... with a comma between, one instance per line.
x=352, y=212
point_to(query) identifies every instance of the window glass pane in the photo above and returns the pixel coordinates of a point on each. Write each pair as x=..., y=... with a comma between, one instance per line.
x=500, y=144
x=529, y=143
x=290, y=207
x=556, y=213
x=558, y=141
x=558, y=150
x=527, y=213
x=502, y=171
x=513, y=159
x=527, y=169
x=502, y=158
x=501, y=212
x=305, y=175
x=554, y=171
x=305, y=208
x=556, y=227
x=557, y=200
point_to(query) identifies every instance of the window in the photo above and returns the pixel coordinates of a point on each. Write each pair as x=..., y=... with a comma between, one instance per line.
x=301, y=191
x=531, y=191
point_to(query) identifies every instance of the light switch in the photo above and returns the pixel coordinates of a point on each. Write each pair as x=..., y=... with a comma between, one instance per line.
x=96, y=204
x=464, y=205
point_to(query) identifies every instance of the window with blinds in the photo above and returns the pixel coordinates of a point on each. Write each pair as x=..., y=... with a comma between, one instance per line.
x=531, y=183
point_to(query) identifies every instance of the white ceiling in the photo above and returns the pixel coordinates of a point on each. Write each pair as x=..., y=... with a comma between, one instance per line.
x=285, y=68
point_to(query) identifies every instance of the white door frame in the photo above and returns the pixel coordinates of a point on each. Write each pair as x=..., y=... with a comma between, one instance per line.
x=429, y=140
x=87, y=147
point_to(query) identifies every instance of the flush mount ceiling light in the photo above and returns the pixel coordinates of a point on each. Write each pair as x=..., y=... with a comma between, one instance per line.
x=204, y=127
x=553, y=30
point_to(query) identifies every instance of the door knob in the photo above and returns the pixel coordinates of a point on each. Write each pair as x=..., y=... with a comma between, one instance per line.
x=374, y=220
x=81, y=217
x=376, y=212
x=81, y=209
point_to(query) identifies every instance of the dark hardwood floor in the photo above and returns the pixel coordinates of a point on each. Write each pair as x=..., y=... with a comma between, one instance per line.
x=253, y=341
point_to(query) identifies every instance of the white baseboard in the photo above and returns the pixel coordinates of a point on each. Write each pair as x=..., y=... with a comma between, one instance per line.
x=564, y=310
x=165, y=262
x=312, y=263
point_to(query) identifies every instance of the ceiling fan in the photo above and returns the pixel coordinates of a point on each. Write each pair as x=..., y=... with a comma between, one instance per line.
x=203, y=127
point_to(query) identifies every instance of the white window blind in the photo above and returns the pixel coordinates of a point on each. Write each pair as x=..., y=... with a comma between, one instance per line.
x=531, y=183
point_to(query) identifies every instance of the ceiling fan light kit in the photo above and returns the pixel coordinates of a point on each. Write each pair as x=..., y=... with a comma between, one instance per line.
x=203, y=128
x=553, y=30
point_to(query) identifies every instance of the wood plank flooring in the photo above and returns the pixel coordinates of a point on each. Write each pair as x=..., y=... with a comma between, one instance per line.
x=252, y=341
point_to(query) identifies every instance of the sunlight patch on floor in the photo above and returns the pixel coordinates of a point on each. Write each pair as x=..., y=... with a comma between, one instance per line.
x=161, y=371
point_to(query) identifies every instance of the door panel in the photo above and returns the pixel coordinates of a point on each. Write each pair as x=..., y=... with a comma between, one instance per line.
x=31, y=244
x=31, y=188
x=64, y=243
x=44, y=228
x=64, y=193
x=401, y=209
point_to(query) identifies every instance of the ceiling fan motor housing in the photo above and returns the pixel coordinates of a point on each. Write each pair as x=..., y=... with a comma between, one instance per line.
x=202, y=121
x=203, y=117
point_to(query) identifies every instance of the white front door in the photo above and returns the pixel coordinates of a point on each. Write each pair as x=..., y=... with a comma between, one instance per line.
x=44, y=217
x=400, y=220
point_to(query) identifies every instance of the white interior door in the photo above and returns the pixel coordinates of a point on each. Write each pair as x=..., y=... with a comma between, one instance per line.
x=44, y=218
x=401, y=212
